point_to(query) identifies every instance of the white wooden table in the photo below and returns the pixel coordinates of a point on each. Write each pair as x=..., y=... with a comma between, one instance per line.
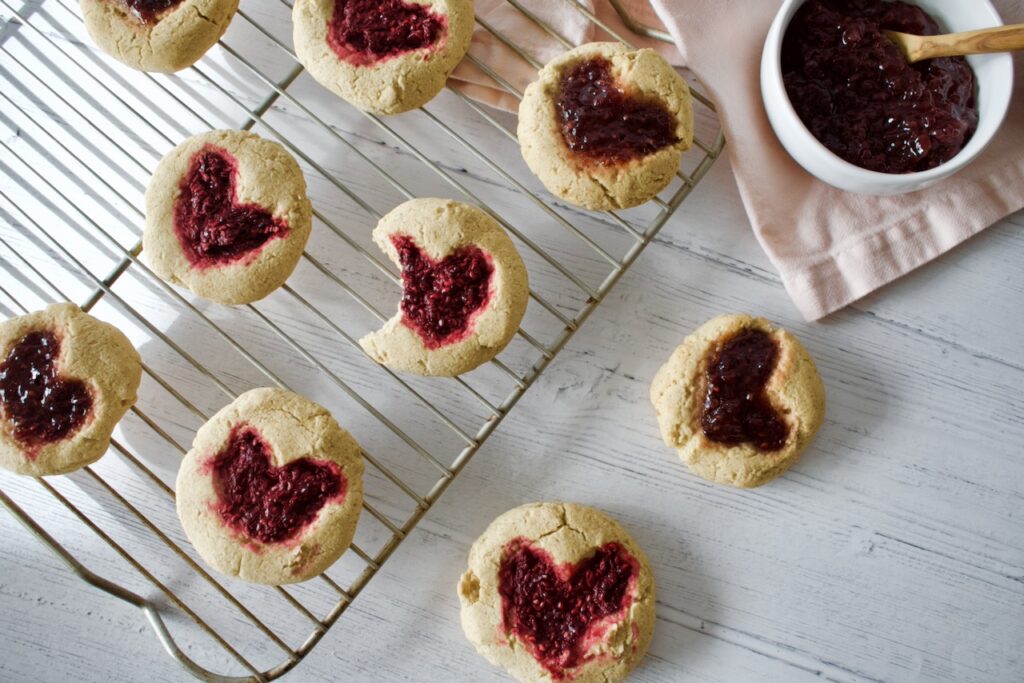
x=893, y=551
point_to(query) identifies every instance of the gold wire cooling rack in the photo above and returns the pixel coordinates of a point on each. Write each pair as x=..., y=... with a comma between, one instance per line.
x=80, y=137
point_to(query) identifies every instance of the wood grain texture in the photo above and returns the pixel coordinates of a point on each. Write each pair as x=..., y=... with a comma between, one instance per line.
x=892, y=552
x=998, y=39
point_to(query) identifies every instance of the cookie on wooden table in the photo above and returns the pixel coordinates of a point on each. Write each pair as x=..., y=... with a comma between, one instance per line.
x=227, y=216
x=604, y=126
x=66, y=380
x=558, y=591
x=272, y=488
x=157, y=35
x=465, y=288
x=739, y=400
x=383, y=56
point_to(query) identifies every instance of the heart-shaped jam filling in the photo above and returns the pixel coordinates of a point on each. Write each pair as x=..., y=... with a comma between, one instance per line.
x=212, y=226
x=264, y=502
x=39, y=405
x=736, y=405
x=148, y=12
x=605, y=124
x=560, y=611
x=441, y=298
x=363, y=32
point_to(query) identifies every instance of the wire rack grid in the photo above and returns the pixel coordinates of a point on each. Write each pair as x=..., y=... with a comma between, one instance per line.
x=80, y=139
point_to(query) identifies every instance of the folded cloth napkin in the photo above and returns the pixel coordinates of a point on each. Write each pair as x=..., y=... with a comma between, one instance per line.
x=830, y=247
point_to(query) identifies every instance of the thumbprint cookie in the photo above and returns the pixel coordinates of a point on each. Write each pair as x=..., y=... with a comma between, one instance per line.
x=739, y=400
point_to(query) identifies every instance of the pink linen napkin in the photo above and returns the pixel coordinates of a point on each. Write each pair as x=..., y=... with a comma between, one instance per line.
x=830, y=247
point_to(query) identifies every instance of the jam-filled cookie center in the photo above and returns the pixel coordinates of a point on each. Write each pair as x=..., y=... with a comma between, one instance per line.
x=854, y=90
x=148, y=12
x=39, y=405
x=264, y=502
x=213, y=227
x=442, y=298
x=736, y=404
x=605, y=124
x=558, y=610
x=363, y=32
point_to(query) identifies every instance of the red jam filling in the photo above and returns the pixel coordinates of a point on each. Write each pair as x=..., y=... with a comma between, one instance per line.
x=736, y=405
x=856, y=93
x=604, y=124
x=552, y=608
x=213, y=227
x=148, y=12
x=441, y=298
x=363, y=32
x=40, y=406
x=267, y=503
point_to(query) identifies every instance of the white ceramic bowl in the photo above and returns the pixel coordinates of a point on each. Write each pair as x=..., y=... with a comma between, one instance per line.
x=993, y=76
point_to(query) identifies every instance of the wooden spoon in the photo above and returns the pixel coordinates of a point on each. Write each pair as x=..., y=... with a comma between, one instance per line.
x=998, y=39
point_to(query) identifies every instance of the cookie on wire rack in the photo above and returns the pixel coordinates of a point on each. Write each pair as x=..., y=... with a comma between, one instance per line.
x=382, y=56
x=465, y=288
x=157, y=35
x=66, y=380
x=739, y=400
x=558, y=591
x=227, y=216
x=272, y=488
x=604, y=126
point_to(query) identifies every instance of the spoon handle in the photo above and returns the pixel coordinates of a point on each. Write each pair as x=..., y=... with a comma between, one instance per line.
x=999, y=39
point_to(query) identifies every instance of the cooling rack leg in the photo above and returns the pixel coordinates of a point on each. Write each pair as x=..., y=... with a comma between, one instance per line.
x=80, y=570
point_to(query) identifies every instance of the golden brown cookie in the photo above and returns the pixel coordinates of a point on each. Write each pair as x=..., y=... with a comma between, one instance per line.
x=465, y=288
x=558, y=591
x=227, y=216
x=739, y=400
x=66, y=380
x=604, y=126
x=383, y=56
x=272, y=488
x=157, y=35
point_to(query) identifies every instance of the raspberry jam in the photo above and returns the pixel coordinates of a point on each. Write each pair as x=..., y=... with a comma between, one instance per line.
x=441, y=298
x=39, y=405
x=856, y=93
x=267, y=503
x=736, y=405
x=552, y=608
x=363, y=32
x=148, y=12
x=602, y=123
x=212, y=226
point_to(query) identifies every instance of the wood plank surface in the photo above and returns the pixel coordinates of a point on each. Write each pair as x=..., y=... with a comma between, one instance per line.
x=893, y=551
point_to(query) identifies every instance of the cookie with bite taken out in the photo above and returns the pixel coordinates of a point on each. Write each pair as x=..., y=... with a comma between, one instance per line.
x=465, y=288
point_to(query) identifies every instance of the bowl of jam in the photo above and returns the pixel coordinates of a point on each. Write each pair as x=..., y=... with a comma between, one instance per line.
x=851, y=110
